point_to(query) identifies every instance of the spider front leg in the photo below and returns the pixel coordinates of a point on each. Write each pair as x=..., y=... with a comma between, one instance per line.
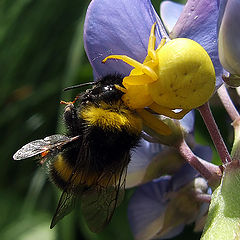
x=151, y=46
x=137, y=65
x=154, y=123
x=150, y=62
x=71, y=118
x=152, y=53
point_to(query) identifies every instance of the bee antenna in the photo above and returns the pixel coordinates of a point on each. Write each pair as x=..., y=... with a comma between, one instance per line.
x=79, y=86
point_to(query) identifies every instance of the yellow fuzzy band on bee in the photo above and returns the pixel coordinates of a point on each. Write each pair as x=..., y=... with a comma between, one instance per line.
x=112, y=117
x=65, y=172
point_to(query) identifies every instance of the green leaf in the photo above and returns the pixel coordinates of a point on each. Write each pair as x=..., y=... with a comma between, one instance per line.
x=223, y=221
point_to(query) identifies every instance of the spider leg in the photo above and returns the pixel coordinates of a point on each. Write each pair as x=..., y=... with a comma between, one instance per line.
x=167, y=111
x=151, y=49
x=152, y=53
x=139, y=66
x=161, y=44
x=154, y=123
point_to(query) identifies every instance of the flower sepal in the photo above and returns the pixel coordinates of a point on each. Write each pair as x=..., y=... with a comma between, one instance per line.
x=232, y=80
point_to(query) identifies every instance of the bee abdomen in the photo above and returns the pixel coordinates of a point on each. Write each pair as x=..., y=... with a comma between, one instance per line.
x=60, y=171
x=65, y=176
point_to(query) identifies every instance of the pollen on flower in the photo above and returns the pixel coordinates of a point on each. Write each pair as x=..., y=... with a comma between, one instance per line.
x=175, y=75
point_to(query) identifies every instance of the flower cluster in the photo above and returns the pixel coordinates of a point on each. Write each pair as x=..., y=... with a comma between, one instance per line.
x=180, y=74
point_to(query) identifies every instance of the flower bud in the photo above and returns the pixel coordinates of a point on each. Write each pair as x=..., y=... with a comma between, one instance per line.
x=229, y=37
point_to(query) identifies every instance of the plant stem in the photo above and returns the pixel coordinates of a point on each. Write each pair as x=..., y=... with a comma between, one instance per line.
x=227, y=102
x=213, y=130
x=209, y=171
x=203, y=197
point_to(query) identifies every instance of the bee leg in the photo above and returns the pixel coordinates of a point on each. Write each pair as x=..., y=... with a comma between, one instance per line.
x=68, y=103
x=71, y=119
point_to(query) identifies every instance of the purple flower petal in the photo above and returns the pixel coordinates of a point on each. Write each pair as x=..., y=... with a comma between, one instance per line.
x=158, y=209
x=198, y=21
x=173, y=233
x=186, y=174
x=204, y=152
x=118, y=27
x=145, y=152
x=150, y=160
x=141, y=158
x=222, y=6
x=146, y=208
x=187, y=122
x=170, y=12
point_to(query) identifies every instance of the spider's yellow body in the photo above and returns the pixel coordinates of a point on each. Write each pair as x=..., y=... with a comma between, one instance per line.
x=176, y=75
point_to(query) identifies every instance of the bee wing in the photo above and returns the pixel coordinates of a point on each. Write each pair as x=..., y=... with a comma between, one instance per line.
x=98, y=203
x=67, y=200
x=51, y=143
x=66, y=203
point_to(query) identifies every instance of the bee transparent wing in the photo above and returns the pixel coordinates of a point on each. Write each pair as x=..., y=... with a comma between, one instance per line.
x=50, y=144
x=66, y=204
x=69, y=196
x=98, y=203
x=68, y=199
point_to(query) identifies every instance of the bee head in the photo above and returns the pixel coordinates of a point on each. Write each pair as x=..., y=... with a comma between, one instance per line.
x=104, y=90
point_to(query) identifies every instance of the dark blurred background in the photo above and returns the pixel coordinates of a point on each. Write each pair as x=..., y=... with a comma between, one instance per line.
x=41, y=52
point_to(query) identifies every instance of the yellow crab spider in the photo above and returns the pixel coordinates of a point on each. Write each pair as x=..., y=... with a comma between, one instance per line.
x=177, y=75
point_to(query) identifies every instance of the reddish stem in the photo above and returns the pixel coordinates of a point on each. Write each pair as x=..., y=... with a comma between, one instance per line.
x=227, y=102
x=209, y=171
x=203, y=197
x=213, y=130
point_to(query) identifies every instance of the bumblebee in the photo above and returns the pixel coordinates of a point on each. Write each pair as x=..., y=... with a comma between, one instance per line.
x=89, y=163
